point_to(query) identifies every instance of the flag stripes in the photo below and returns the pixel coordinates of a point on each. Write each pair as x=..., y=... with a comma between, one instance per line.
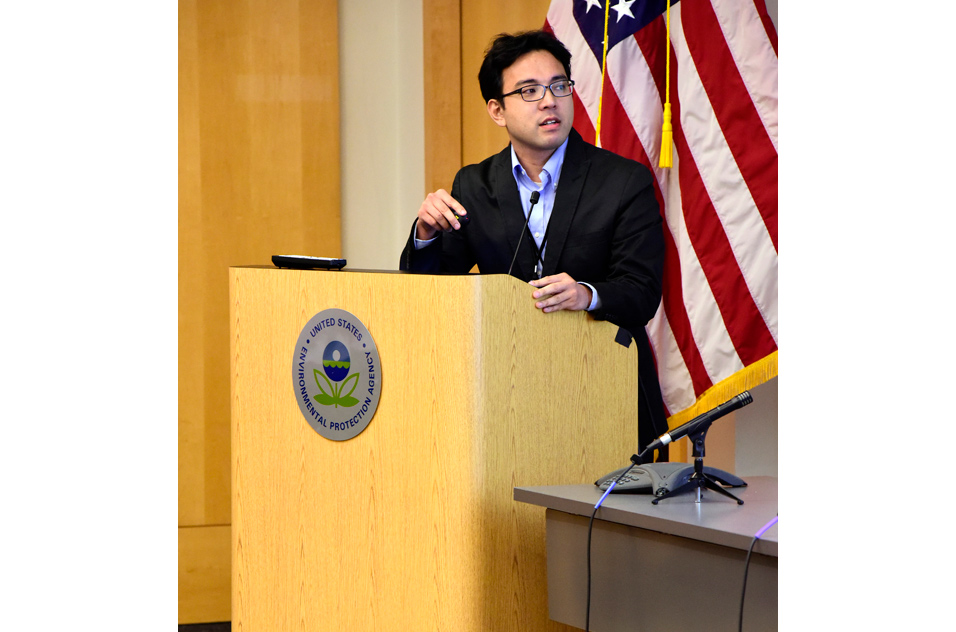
x=755, y=155
x=716, y=331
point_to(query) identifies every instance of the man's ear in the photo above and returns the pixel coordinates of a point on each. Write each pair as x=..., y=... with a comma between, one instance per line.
x=496, y=112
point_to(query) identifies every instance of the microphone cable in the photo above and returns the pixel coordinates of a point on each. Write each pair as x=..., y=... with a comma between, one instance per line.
x=587, y=609
x=539, y=252
x=743, y=591
x=534, y=200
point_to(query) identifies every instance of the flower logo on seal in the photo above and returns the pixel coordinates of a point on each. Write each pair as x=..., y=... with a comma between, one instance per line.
x=336, y=363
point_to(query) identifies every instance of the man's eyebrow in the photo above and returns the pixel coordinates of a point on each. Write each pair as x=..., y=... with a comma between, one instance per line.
x=524, y=82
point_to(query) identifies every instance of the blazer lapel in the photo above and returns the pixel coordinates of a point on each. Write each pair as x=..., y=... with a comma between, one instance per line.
x=512, y=216
x=570, y=186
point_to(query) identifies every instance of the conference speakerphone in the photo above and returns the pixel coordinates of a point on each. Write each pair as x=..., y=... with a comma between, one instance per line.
x=661, y=478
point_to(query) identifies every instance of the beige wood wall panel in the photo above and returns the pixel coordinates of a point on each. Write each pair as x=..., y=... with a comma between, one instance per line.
x=204, y=579
x=259, y=175
x=191, y=357
x=442, y=67
x=481, y=21
x=411, y=525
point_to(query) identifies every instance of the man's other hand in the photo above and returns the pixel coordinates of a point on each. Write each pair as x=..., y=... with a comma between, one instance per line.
x=560, y=291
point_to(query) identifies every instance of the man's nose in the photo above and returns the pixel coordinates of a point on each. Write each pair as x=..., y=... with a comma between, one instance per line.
x=549, y=99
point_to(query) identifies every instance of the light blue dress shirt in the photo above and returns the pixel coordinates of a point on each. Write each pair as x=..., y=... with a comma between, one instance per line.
x=546, y=188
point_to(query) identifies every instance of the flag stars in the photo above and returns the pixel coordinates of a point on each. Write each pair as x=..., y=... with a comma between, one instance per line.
x=623, y=7
x=591, y=5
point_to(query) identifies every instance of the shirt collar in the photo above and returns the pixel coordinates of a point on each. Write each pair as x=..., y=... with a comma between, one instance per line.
x=551, y=169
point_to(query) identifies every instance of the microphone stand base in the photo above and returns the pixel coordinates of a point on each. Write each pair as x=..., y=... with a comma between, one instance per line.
x=700, y=480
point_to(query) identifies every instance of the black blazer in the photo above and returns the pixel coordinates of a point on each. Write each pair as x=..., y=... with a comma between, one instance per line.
x=605, y=229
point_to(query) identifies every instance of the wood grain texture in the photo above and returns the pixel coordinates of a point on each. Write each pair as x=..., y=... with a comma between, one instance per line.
x=259, y=154
x=411, y=525
x=442, y=68
x=259, y=175
x=458, y=130
x=481, y=22
x=204, y=580
x=191, y=357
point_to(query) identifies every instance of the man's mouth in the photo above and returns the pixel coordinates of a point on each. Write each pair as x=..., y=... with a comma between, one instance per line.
x=550, y=121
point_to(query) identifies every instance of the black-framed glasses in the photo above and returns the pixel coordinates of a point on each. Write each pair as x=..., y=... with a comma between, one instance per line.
x=535, y=91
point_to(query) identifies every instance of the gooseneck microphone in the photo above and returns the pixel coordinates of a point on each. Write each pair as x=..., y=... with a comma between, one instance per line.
x=698, y=423
x=534, y=200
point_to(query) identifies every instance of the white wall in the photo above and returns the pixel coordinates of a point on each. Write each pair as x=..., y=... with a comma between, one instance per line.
x=383, y=129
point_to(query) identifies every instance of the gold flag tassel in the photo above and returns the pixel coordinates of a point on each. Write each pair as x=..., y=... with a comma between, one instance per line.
x=667, y=132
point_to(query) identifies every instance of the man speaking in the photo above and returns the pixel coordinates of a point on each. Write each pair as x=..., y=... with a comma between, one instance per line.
x=581, y=224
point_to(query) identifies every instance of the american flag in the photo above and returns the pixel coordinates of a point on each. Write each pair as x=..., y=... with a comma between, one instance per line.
x=715, y=334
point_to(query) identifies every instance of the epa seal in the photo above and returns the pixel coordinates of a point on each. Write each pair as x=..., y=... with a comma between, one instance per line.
x=336, y=374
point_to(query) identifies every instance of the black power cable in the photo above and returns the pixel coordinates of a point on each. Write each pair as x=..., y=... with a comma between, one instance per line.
x=587, y=611
x=743, y=591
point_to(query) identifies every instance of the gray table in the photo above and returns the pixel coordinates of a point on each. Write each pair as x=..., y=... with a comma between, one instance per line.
x=670, y=567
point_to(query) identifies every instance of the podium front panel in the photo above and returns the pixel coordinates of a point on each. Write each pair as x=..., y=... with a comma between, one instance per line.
x=411, y=524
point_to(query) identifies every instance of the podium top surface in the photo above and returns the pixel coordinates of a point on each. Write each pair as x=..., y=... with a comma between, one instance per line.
x=716, y=519
x=346, y=270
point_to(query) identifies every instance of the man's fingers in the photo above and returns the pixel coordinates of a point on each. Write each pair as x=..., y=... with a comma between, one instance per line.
x=453, y=205
x=551, y=285
x=550, y=279
x=554, y=294
x=441, y=211
x=558, y=292
x=437, y=214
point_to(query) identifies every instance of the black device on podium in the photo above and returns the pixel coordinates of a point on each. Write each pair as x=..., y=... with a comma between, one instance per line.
x=669, y=479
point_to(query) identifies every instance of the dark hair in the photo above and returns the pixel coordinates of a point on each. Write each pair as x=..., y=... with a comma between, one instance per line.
x=506, y=49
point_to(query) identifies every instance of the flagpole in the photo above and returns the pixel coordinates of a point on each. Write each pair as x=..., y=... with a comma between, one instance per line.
x=597, y=129
x=667, y=131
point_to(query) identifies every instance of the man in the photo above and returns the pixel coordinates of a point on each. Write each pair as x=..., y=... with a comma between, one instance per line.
x=594, y=239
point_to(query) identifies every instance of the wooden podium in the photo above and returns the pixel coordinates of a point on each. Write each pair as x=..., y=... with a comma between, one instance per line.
x=411, y=525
